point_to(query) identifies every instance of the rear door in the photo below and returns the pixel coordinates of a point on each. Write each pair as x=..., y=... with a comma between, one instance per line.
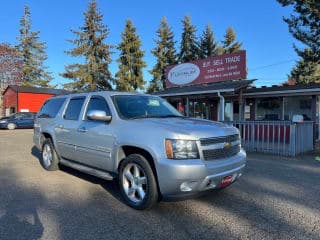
x=67, y=130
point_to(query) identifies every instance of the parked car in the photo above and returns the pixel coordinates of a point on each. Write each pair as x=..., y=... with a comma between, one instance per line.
x=152, y=150
x=18, y=120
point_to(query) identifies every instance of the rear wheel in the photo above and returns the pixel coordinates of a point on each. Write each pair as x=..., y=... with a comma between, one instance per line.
x=49, y=157
x=11, y=126
x=137, y=182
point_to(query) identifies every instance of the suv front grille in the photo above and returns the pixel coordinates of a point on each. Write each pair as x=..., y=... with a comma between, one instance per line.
x=229, y=138
x=224, y=151
x=213, y=154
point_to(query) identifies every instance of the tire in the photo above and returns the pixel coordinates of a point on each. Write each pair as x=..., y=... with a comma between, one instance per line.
x=11, y=126
x=137, y=182
x=49, y=158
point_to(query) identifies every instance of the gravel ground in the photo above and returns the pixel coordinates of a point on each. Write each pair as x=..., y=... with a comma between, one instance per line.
x=277, y=198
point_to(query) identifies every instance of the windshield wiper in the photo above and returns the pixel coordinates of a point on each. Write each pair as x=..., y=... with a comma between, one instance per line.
x=171, y=115
x=158, y=116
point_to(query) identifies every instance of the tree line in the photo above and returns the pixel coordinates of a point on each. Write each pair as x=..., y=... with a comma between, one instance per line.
x=90, y=45
x=25, y=63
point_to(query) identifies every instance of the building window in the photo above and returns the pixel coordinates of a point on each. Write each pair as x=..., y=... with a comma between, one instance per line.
x=297, y=106
x=268, y=109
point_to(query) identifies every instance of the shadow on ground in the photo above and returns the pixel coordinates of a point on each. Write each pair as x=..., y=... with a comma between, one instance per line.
x=275, y=199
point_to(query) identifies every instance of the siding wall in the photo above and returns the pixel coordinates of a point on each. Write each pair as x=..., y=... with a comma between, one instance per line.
x=10, y=99
x=32, y=101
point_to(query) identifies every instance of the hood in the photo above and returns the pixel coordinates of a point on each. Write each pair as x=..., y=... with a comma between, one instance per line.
x=198, y=128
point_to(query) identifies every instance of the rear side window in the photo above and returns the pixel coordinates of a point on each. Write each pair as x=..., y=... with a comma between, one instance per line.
x=74, y=108
x=98, y=103
x=51, y=107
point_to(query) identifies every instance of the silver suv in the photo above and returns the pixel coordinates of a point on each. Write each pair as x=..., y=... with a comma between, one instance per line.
x=141, y=140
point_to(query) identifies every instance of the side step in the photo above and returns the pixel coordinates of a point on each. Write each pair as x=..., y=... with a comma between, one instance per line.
x=86, y=169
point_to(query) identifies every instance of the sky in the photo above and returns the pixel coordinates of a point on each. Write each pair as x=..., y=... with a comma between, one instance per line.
x=258, y=24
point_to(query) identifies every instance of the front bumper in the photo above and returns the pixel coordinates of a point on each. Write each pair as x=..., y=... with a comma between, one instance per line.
x=179, y=179
x=3, y=125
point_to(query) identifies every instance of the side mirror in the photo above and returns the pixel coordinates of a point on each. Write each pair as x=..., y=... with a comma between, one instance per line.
x=98, y=115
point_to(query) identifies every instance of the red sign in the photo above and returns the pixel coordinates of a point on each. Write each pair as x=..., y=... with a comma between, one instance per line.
x=213, y=69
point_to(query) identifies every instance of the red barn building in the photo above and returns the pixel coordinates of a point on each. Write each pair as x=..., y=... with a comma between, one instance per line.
x=26, y=99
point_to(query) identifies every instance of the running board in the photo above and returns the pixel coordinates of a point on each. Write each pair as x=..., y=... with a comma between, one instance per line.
x=86, y=169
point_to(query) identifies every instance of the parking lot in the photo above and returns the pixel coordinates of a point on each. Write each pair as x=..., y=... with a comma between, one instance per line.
x=277, y=198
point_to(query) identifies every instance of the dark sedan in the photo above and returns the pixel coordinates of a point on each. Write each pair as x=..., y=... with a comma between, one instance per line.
x=18, y=120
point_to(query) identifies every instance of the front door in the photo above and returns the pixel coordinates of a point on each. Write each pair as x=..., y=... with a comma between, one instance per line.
x=95, y=139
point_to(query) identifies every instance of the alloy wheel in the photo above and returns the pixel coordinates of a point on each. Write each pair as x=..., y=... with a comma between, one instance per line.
x=47, y=155
x=134, y=182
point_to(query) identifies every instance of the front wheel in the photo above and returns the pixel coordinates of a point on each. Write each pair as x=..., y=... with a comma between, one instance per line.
x=137, y=182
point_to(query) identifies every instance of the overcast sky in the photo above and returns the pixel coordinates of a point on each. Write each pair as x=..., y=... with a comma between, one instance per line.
x=258, y=25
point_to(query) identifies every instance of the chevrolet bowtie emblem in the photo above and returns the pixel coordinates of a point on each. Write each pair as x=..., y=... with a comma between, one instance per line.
x=226, y=145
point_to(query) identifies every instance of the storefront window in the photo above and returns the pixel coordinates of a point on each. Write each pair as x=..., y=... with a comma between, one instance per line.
x=268, y=109
x=198, y=109
x=297, y=106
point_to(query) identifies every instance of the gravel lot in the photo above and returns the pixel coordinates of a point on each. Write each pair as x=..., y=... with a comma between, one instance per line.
x=277, y=198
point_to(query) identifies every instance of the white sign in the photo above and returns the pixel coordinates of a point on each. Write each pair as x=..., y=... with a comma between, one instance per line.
x=183, y=73
x=24, y=110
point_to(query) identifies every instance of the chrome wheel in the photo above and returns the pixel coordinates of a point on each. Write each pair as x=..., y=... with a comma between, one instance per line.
x=47, y=155
x=134, y=182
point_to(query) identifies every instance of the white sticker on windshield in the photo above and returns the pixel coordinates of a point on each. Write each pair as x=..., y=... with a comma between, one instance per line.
x=154, y=103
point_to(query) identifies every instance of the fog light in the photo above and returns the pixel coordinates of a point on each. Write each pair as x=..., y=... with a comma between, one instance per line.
x=187, y=186
x=211, y=184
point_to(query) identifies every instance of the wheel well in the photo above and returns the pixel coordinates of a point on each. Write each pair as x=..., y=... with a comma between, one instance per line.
x=44, y=137
x=127, y=150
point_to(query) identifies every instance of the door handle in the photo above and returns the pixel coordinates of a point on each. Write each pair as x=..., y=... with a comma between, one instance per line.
x=82, y=129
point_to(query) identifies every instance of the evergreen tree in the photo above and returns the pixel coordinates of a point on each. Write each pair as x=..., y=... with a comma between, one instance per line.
x=188, y=48
x=230, y=45
x=94, y=73
x=304, y=26
x=165, y=54
x=208, y=46
x=305, y=71
x=130, y=77
x=32, y=53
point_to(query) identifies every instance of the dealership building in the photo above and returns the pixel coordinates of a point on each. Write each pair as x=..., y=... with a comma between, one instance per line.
x=216, y=88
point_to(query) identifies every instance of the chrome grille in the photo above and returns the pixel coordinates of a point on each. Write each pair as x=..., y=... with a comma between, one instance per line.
x=213, y=154
x=229, y=138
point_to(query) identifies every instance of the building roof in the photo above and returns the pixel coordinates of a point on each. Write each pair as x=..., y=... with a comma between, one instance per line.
x=300, y=89
x=226, y=86
x=26, y=89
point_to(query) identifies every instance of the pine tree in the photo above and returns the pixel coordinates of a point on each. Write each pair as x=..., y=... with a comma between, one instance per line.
x=304, y=26
x=188, y=48
x=208, y=46
x=230, y=45
x=94, y=73
x=165, y=54
x=32, y=53
x=305, y=71
x=130, y=77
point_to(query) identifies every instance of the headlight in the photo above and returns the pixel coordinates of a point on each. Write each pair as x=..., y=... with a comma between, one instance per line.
x=3, y=121
x=181, y=149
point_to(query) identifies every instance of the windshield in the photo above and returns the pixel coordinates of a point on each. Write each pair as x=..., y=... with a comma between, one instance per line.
x=141, y=106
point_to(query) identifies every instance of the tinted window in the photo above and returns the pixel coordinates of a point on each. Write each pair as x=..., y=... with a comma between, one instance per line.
x=98, y=103
x=51, y=107
x=74, y=108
